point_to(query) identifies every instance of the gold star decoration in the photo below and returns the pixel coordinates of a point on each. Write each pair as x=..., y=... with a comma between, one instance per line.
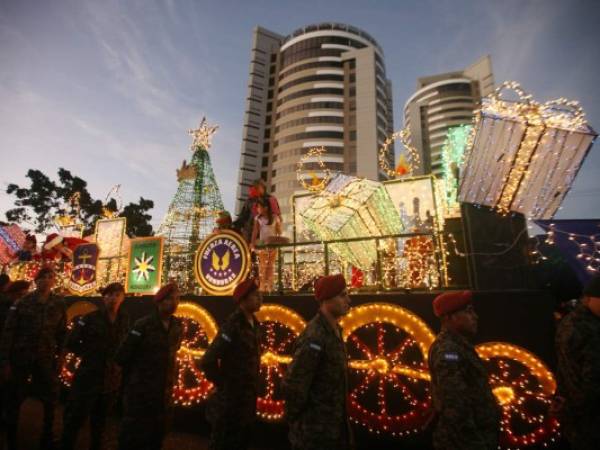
x=203, y=134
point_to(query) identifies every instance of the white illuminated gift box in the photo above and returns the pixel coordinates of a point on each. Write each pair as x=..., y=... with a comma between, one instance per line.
x=524, y=155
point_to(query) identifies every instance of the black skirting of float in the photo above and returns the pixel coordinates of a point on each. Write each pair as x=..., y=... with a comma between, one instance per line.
x=519, y=317
x=523, y=318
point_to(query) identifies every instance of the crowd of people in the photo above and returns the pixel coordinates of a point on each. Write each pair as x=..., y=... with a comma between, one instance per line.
x=139, y=361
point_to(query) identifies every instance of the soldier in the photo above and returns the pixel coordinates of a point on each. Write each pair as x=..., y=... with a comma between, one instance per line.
x=31, y=346
x=232, y=363
x=468, y=416
x=94, y=339
x=316, y=384
x=578, y=351
x=13, y=292
x=148, y=357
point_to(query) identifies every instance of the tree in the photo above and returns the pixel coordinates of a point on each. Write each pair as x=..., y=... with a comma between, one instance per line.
x=45, y=199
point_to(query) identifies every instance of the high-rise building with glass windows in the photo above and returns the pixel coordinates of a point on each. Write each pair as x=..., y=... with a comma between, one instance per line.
x=323, y=85
x=441, y=102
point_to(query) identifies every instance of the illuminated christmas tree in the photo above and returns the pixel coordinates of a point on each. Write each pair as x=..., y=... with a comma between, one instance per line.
x=191, y=215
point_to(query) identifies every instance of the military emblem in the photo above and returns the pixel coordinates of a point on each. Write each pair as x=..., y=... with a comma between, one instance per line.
x=145, y=261
x=143, y=266
x=83, y=275
x=222, y=261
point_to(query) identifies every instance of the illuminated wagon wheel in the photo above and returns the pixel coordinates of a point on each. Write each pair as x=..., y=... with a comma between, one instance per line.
x=199, y=329
x=71, y=362
x=523, y=387
x=281, y=326
x=389, y=378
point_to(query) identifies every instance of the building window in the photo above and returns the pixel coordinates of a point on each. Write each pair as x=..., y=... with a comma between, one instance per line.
x=353, y=135
x=308, y=92
x=310, y=135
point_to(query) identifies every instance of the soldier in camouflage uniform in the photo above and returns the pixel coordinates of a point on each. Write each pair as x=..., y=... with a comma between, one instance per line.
x=468, y=416
x=94, y=339
x=148, y=357
x=232, y=364
x=316, y=384
x=578, y=351
x=31, y=346
x=13, y=292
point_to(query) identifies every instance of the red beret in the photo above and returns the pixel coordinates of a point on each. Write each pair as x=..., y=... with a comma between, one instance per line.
x=244, y=288
x=329, y=286
x=450, y=302
x=165, y=291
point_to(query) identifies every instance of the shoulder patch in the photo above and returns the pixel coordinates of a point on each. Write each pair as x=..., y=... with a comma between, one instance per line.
x=315, y=346
x=450, y=356
x=227, y=338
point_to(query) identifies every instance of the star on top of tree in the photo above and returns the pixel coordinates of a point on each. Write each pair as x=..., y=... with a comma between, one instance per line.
x=203, y=134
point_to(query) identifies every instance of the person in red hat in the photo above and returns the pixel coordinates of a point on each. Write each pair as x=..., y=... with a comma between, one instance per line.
x=148, y=358
x=467, y=414
x=232, y=364
x=316, y=384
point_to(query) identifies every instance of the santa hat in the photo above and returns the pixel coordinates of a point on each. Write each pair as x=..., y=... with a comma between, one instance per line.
x=52, y=240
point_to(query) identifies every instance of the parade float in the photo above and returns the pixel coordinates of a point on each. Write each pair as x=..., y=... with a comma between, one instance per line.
x=397, y=244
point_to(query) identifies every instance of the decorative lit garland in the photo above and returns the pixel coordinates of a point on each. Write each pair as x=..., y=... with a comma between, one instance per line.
x=71, y=362
x=413, y=153
x=107, y=213
x=27, y=270
x=199, y=330
x=523, y=386
x=314, y=152
x=281, y=327
x=453, y=152
x=399, y=367
x=589, y=252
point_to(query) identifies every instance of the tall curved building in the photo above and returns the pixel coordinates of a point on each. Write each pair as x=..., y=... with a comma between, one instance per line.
x=441, y=102
x=322, y=85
